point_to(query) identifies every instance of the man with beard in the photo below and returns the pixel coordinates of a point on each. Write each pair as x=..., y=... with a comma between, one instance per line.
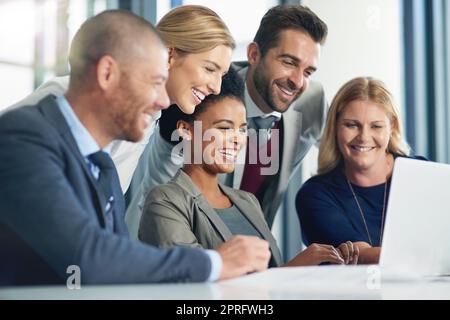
x=61, y=205
x=283, y=106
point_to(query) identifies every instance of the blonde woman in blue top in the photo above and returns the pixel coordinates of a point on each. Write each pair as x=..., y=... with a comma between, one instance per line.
x=347, y=200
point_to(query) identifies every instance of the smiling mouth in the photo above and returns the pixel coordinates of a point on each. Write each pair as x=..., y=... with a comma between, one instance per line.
x=229, y=154
x=362, y=149
x=286, y=91
x=198, y=95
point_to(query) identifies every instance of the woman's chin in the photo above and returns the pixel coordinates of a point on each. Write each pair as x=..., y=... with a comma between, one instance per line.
x=187, y=108
x=361, y=165
x=226, y=168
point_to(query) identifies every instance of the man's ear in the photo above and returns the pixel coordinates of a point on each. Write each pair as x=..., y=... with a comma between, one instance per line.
x=253, y=53
x=108, y=73
x=184, y=130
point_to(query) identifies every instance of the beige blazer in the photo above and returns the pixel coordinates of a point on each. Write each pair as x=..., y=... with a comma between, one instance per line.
x=176, y=213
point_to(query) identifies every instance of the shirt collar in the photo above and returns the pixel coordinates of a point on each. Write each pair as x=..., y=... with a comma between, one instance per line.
x=253, y=110
x=85, y=142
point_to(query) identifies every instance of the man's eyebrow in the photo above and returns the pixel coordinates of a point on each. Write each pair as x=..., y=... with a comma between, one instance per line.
x=297, y=60
x=290, y=56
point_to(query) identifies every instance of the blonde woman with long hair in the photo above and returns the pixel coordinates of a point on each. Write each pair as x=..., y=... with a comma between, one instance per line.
x=347, y=200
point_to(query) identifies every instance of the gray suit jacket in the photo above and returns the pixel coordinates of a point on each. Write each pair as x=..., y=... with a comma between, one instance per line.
x=302, y=128
x=51, y=213
x=177, y=214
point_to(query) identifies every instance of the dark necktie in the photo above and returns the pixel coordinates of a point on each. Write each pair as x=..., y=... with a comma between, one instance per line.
x=252, y=179
x=107, y=177
x=264, y=127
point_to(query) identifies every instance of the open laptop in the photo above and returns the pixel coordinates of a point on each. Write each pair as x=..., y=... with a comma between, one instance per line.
x=416, y=241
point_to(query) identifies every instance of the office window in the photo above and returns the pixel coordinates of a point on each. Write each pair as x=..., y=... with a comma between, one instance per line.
x=17, y=49
x=427, y=68
x=34, y=40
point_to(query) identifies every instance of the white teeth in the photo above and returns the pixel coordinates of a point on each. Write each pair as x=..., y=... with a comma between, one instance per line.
x=198, y=94
x=289, y=93
x=362, y=149
x=228, y=153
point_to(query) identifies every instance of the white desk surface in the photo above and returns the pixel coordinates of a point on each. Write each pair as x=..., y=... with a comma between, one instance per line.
x=330, y=282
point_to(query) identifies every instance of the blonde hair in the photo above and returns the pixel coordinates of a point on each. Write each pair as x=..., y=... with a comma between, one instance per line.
x=362, y=88
x=194, y=29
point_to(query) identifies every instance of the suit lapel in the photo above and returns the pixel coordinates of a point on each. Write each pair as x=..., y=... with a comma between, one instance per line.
x=239, y=169
x=220, y=226
x=185, y=182
x=240, y=163
x=291, y=127
x=256, y=219
x=119, y=207
x=51, y=112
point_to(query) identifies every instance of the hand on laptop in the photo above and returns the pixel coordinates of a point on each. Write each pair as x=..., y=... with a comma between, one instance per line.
x=316, y=254
x=349, y=252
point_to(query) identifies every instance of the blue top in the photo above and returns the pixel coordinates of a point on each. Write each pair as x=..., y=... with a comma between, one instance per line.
x=329, y=214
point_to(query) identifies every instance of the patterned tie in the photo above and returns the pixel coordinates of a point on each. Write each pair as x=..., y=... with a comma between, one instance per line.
x=252, y=180
x=108, y=176
x=264, y=127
